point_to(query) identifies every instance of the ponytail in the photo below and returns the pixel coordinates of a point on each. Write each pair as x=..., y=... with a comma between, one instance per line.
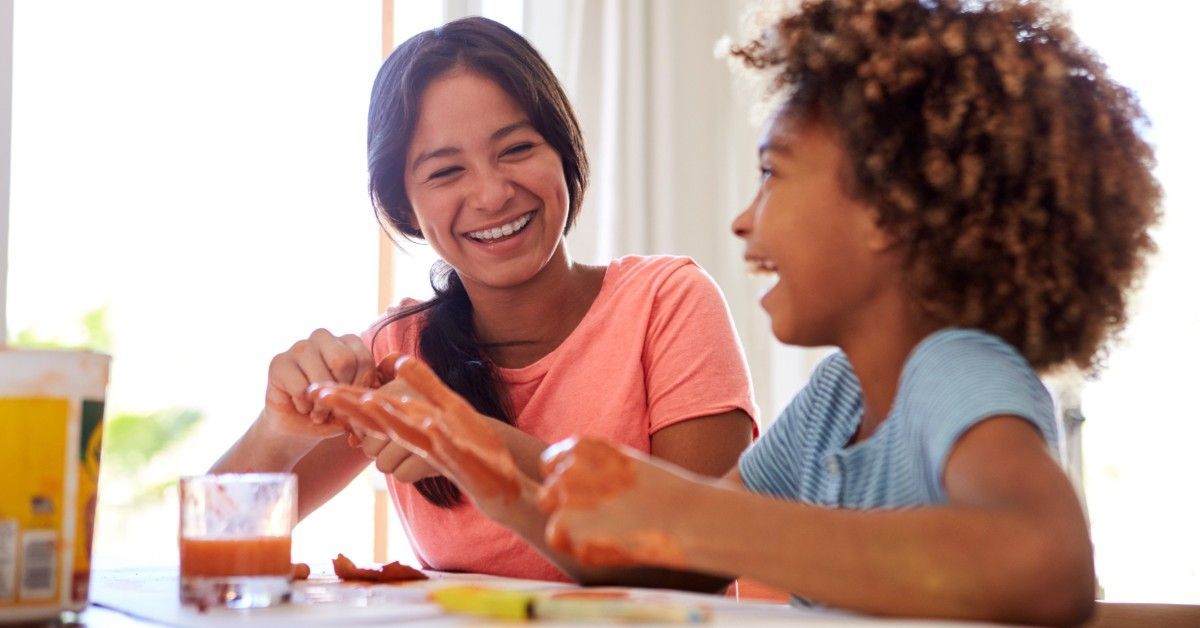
x=449, y=345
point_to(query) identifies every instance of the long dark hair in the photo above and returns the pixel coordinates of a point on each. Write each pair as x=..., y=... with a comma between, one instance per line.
x=448, y=341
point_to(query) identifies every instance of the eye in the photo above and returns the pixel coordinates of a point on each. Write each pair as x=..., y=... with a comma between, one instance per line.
x=445, y=172
x=518, y=149
x=764, y=172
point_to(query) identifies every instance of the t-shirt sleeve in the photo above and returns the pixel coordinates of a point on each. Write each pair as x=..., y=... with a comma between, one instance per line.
x=965, y=379
x=774, y=464
x=388, y=334
x=693, y=359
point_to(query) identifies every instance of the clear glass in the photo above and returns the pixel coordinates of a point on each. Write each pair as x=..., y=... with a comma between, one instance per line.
x=235, y=539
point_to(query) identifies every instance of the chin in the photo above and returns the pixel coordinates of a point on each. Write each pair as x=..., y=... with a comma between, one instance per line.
x=791, y=333
x=783, y=333
x=509, y=275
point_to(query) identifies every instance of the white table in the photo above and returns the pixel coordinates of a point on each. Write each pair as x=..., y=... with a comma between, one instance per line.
x=133, y=597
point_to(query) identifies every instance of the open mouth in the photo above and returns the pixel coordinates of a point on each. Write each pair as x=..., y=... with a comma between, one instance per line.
x=761, y=268
x=503, y=232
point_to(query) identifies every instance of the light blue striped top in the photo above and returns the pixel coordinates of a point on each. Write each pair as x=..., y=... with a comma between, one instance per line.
x=952, y=380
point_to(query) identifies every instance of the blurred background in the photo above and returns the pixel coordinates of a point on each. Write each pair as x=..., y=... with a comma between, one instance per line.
x=187, y=191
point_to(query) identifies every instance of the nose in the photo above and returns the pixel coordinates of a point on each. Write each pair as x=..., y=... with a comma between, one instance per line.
x=743, y=222
x=493, y=189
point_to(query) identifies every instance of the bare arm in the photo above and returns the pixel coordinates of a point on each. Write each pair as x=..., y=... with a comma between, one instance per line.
x=1011, y=545
x=708, y=445
x=291, y=434
x=322, y=471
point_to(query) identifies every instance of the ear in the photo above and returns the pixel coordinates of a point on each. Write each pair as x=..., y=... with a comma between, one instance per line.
x=877, y=239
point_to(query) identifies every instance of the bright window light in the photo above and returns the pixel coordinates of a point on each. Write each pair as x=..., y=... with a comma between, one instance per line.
x=1142, y=424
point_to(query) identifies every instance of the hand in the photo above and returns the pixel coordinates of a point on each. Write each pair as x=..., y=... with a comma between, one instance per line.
x=394, y=459
x=322, y=357
x=432, y=421
x=610, y=505
x=391, y=457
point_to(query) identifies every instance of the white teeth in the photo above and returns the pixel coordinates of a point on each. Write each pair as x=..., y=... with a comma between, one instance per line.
x=760, y=267
x=503, y=230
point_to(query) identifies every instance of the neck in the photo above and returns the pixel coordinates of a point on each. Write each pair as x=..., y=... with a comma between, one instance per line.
x=533, y=318
x=877, y=347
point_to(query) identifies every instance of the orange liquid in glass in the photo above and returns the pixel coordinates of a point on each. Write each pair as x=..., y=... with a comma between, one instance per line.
x=261, y=556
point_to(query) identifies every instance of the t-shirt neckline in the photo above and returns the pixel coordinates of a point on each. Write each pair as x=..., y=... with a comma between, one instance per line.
x=539, y=368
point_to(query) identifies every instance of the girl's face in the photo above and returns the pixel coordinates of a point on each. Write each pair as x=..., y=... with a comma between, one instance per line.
x=821, y=244
x=488, y=192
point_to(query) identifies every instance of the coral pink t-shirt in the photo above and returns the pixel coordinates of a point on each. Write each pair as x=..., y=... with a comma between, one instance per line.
x=657, y=347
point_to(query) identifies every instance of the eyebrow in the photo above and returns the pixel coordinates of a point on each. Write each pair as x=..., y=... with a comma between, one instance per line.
x=447, y=151
x=773, y=147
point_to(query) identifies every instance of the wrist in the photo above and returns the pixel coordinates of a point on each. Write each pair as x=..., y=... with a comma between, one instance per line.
x=703, y=525
x=521, y=515
x=274, y=450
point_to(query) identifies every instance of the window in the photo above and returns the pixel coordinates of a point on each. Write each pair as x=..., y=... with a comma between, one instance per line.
x=195, y=172
x=1141, y=420
x=189, y=192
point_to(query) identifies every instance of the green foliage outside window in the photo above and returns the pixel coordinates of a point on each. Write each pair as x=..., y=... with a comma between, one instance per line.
x=132, y=440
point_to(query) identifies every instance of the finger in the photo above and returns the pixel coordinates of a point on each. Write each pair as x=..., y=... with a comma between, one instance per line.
x=371, y=446
x=400, y=389
x=494, y=476
x=346, y=405
x=338, y=358
x=414, y=468
x=422, y=378
x=382, y=421
x=552, y=455
x=391, y=456
x=285, y=388
x=387, y=367
x=309, y=359
x=365, y=372
x=401, y=419
x=391, y=385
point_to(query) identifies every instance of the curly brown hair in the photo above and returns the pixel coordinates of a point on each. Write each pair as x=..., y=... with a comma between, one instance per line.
x=1002, y=159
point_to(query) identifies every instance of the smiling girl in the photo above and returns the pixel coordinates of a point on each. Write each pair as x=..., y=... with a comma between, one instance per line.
x=474, y=149
x=957, y=197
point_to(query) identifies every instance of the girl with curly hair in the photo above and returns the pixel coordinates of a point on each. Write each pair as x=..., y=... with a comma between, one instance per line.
x=956, y=196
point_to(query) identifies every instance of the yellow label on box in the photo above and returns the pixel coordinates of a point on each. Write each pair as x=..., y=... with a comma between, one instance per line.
x=33, y=451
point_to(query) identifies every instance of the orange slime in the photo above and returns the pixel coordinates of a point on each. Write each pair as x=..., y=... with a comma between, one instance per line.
x=585, y=473
x=431, y=420
x=261, y=556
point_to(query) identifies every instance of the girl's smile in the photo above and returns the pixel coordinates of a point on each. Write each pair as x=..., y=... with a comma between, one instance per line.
x=492, y=235
x=487, y=190
x=819, y=243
